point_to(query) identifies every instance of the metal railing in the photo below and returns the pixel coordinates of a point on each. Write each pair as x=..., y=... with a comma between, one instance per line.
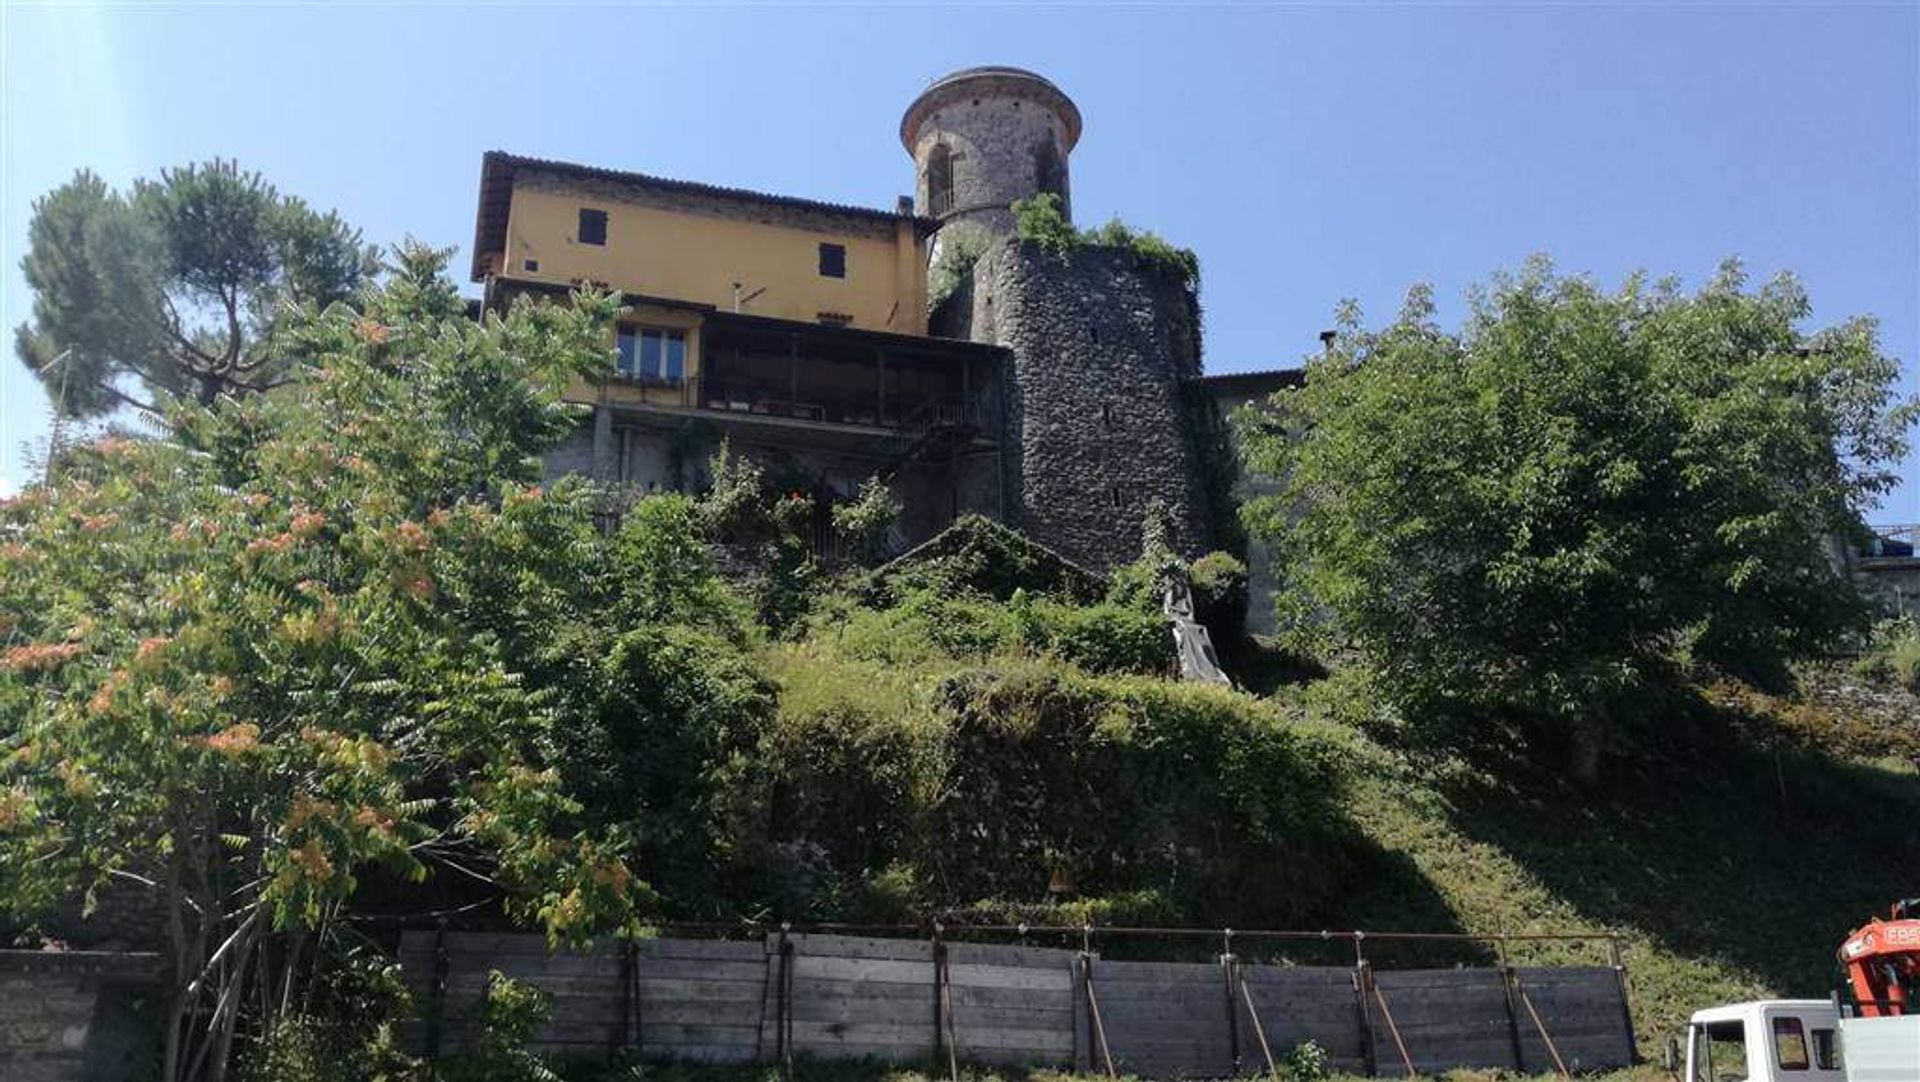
x=1892, y=541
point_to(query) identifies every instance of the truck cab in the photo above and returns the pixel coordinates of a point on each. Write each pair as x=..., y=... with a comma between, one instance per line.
x=1769, y=1040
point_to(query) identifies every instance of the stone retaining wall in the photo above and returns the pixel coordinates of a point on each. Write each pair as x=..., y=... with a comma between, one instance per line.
x=75, y=1016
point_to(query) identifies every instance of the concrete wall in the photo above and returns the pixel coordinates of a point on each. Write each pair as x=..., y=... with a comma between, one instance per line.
x=1895, y=580
x=72, y=1016
x=1097, y=423
x=694, y=247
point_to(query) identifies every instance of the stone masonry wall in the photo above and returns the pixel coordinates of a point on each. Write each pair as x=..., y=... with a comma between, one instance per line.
x=1101, y=345
x=1005, y=142
x=69, y=1016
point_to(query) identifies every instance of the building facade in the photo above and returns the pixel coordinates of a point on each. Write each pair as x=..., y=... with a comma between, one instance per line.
x=1061, y=395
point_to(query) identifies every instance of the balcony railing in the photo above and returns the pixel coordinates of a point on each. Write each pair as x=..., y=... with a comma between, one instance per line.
x=1892, y=542
x=906, y=414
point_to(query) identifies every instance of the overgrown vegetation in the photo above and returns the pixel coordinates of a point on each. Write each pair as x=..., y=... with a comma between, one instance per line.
x=952, y=268
x=1893, y=653
x=433, y=685
x=1042, y=220
x=1534, y=524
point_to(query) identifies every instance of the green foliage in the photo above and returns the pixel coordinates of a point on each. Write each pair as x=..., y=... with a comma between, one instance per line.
x=865, y=523
x=1042, y=220
x=289, y=645
x=180, y=286
x=960, y=250
x=1180, y=263
x=1220, y=596
x=979, y=556
x=1099, y=638
x=1526, y=518
x=766, y=535
x=1305, y=1062
x=1130, y=783
x=511, y=1014
x=1892, y=654
x=927, y=626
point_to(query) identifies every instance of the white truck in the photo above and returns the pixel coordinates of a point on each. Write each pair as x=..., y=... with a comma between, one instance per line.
x=1799, y=1040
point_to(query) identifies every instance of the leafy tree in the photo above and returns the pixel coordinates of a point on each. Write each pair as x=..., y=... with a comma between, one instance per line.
x=176, y=288
x=243, y=666
x=1529, y=517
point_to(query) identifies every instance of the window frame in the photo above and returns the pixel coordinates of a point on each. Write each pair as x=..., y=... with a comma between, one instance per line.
x=1789, y=1027
x=1823, y=1045
x=592, y=214
x=669, y=368
x=835, y=267
x=939, y=180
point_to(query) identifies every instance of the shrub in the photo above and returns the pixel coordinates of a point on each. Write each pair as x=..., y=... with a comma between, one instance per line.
x=865, y=523
x=1042, y=220
x=1893, y=654
x=979, y=556
x=510, y=1016
x=1305, y=1062
x=1220, y=596
x=1132, y=784
x=1106, y=638
x=960, y=250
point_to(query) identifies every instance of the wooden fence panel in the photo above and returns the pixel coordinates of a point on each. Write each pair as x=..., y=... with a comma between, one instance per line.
x=1585, y=1011
x=851, y=997
x=1012, y=1006
x=1164, y=1019
x=843, y=997
x=693, y=999
x=1445, y=1017
x=1299, y=1004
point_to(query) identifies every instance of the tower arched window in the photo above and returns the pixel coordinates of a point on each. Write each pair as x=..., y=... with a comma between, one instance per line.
x=939, y=180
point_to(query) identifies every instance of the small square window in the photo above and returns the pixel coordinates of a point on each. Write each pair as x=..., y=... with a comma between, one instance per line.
x=531, y=264
x=833, y=261
x=593, y=226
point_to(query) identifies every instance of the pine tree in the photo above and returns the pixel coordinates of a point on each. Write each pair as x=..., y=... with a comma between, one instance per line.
x=175, y=288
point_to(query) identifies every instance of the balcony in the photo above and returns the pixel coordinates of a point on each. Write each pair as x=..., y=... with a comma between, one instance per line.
x=767, y=374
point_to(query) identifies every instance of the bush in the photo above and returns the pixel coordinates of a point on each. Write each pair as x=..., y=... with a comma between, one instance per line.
x=1893, y=654
x=979, y=556
x=960, y=250
x=1103, y=638
x=511, y=1014
x=1220, y=596
x=1128, y=784
x=1042, y=220
x=864, y=524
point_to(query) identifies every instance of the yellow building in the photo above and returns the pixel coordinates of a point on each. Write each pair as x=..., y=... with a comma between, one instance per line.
x=788, y=326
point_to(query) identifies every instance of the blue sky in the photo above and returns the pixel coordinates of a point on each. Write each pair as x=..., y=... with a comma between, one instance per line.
x=1307, y=152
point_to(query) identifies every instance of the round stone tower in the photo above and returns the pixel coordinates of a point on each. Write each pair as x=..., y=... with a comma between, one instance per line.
x=984, y=137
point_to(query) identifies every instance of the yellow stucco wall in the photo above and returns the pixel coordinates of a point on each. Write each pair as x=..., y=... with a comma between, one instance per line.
x=698, y=257
x=615, y=390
